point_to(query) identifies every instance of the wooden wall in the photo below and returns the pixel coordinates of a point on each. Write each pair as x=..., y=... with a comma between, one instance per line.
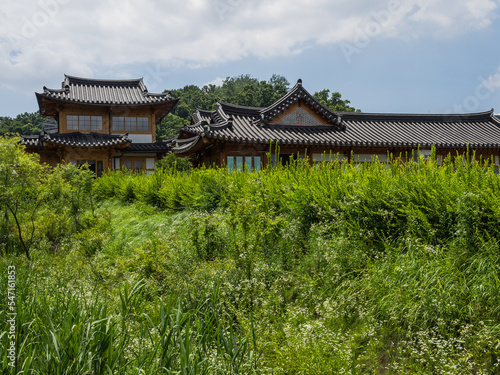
x=217, y=153
x=107, y=113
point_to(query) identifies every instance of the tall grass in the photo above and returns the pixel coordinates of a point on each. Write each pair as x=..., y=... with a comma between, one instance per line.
x=387, y=201
x=337, y=268
x=400, y=257
x=61, y=332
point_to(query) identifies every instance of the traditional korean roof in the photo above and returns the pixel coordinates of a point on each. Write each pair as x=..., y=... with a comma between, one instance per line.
x=293, y=96
x=50, y=125
x=88, y=91
x=183, y=145
x=252, y=125
x=76, y=140
x=149, y=147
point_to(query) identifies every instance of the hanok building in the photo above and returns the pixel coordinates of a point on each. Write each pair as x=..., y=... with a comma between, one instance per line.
x=242, y=137
x=108, y=124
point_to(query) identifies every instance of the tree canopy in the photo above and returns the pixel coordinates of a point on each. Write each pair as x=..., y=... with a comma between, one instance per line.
x=25, y=123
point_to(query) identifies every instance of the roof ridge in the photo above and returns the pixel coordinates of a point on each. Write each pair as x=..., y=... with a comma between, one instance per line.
x=296, y=93
x=238, y=106
x=69, y=79
x=486, y=115
x=90, y=91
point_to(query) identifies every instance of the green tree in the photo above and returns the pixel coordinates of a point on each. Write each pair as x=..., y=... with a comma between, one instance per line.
x=25, y=123
x=170, y=126
x=21, y=193
x=334, y=101
x=30, y=190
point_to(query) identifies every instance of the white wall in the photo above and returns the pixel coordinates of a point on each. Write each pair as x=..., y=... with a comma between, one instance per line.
x=141, y=138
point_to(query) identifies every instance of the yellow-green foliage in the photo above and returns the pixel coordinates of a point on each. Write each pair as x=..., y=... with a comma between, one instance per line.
x=337, y=268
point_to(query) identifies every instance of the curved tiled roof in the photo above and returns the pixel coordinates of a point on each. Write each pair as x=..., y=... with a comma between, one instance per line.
x=184, y=145
x=149, y=147
x=101, y=91
x=202, y=115
x=244, y=124
x=31, y=140
x=77, y=139
x=295, y=94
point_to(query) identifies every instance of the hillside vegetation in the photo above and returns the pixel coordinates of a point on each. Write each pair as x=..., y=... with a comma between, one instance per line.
x=337, y=268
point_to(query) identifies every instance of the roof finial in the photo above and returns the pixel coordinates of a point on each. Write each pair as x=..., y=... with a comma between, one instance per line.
x=299, y=82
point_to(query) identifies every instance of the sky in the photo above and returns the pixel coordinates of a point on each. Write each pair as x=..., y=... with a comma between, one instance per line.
x=395, y=56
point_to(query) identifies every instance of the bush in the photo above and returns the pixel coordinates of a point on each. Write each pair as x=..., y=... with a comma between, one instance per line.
x=171, y=162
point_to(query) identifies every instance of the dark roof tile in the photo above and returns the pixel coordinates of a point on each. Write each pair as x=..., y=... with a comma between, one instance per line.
x=149, y=147
x=384, y=130
x=104, y=91
x=77, y=139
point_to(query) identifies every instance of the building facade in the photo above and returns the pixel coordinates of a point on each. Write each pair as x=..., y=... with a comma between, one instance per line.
x=298, y=125
x=107, y=124
x=111, y=124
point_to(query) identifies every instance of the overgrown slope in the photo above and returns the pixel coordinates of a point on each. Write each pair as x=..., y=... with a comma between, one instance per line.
x=295, y=270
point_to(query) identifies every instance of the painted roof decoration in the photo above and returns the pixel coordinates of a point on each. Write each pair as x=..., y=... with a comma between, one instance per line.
x=258, y=125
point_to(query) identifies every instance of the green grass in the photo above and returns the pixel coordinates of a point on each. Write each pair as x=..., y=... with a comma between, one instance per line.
x=295, y=270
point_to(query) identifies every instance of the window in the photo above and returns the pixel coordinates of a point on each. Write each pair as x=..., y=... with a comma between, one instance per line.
x=368, y=158
x=138, y=164
x=96, y=166
x=239, y=163
x=256, y=163
x=246, y=163
x=127, y=164
x=84, y=123
x=130, y=123
x=230, y=163
x=328, y=157
x=282, y=159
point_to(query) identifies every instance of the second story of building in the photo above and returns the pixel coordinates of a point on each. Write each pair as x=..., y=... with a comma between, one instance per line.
x=106, y=106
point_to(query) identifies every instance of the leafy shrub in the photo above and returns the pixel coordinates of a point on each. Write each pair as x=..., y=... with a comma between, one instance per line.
x=171, y=162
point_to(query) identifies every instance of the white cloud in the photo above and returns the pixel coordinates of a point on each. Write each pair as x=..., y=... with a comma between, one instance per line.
x=217, y=82
x=44, y=38
x=492, y=83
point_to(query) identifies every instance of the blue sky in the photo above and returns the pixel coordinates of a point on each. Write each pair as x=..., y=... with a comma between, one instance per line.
x=414, y=56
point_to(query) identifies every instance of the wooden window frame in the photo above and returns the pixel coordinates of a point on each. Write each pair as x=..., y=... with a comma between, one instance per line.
x=125, y=123
x=133, y=160
x=241, y=163
x=78, y=163
x=80, y=123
